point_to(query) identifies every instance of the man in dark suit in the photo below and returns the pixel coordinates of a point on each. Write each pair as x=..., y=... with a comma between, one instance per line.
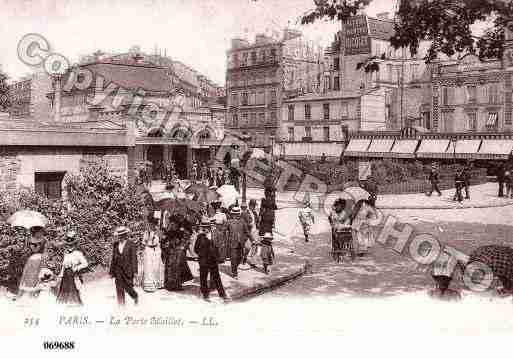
x=123, y=267
x=208, y=260
x=237, y=233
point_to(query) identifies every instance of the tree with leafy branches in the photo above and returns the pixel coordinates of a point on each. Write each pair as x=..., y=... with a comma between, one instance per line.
x=448, y=25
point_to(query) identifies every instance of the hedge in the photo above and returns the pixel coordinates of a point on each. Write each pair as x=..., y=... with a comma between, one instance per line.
x=96, y=203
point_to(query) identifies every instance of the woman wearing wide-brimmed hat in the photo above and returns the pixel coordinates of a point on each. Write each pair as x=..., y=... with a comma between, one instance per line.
x=153, y=267
x=29, y=282
x=219, y=222
x=71, y=280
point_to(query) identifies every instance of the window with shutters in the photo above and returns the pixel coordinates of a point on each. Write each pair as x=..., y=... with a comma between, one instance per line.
x=253, y=57
x=261, y=118
x=49, y=184
x=336, y=83
x=336, y=63
x=472, y=121
x=235, y=99
x=245, y=99
x=291, y=112
x=326, y=111
x=493, y=93
x=445, y=95
x=253, y=118
x=291, y=134
x=326, y=133
x=308, y=112
x=244, y=121
x=308, y=132
x=471, y=93
x=273, y=96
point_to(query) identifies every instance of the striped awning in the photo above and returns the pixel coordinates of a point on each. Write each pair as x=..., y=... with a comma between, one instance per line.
x=403, y=149
x=495, y=149
x=356, y=147
x=379, y=147
x=492, y=119
x=433, y=148
x=464, y=148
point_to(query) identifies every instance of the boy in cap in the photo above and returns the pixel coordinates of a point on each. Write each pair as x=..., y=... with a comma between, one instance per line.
x=267, y=252
x=123, y=267
x=208, y=259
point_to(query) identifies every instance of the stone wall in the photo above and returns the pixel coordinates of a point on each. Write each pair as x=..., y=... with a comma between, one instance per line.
x=18, y=166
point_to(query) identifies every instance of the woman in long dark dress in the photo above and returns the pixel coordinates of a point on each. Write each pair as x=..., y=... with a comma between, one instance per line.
x=267, y=215
x=71, y=282
x=174, y=249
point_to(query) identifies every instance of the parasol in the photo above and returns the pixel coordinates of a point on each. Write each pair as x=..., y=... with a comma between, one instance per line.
x=27, y=219
x=161, y=196
x=202, y=193
x=258, y=153
x=229, y=195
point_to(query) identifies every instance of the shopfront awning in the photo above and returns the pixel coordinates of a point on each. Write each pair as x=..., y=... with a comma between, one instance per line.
x=464, y=149
x=403, y=149
x=379, y=147
x=433, y=148
x=495, y=149
x=311, y=149
x=357, y=147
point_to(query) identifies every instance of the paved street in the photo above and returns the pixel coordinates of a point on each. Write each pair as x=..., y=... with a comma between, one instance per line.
x=384, y=272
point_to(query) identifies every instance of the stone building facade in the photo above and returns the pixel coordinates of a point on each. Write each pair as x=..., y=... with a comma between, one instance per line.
x=404, y=79
x=261, y=75
x=144, y=96
x=39, y=156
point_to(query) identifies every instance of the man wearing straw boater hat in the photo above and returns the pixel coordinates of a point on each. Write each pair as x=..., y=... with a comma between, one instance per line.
x=208, y=260
x=123, y=267
x=237, y=233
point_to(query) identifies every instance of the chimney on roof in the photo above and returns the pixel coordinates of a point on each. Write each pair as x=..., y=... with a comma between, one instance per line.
x=383, y=15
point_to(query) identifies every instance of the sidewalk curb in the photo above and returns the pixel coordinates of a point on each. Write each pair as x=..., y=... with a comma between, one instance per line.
x=447, y=206
x=258, y=289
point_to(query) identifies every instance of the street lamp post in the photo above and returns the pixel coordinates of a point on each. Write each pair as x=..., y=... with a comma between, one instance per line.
x=272, y=153
x=454, y=140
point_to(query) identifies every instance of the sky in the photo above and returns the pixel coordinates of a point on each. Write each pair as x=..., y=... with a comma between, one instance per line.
x=196, y=32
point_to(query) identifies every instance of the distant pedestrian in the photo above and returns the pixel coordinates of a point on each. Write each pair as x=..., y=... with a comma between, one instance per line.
x=307, y=219
x=500, y=179
x=267, y=252
x=194, y=172
x=466, y=179
x=459, y=182
x=434, y=179
x=204, y=174
x=208, y=259
x=508, y=182
x=124, y=266
x=219, y=177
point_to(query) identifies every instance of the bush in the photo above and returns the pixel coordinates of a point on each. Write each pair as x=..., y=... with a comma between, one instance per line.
x=96, y=203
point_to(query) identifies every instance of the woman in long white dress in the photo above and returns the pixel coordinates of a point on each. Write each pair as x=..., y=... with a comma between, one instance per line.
x=71, y=286
x=153, y=267
x=363, y=235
